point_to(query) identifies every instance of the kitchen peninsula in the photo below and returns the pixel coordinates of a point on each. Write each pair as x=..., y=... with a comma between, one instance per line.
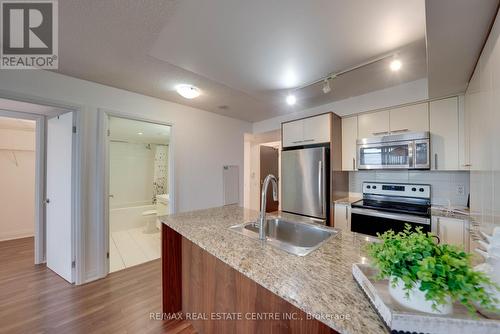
x=210, y=270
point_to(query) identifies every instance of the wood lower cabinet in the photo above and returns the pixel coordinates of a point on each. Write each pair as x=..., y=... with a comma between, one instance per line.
x=211, y=289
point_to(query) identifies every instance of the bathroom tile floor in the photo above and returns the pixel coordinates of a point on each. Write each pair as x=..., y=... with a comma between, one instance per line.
x=132, y=247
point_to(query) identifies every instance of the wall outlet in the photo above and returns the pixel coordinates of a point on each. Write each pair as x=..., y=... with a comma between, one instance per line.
x=460, y=189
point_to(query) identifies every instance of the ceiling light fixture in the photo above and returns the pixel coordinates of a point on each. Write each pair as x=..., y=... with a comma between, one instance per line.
x=395, y=65
x=326, y=86
x=291, y=99
x=188, y=91
x=140, y=133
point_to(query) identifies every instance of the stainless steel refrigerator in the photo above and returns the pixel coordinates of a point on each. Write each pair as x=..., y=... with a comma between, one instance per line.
x=305, y=182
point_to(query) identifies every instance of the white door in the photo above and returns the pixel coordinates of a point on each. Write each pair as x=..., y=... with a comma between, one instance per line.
x=59, y=195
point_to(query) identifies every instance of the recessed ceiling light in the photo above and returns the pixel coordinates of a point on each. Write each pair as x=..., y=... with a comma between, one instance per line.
x=291, y=99
x=396, y=65
x=140, y=133
x=188, y=91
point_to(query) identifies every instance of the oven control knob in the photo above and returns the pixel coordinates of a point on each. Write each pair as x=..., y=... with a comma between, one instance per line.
x=374, y=187
x=421, y=190
x=368, y=187
x=413, y=189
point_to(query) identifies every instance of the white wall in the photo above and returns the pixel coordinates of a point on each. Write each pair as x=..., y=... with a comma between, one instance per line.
x=17, y=183
x=202, y=142
x=405, y=93
x=482, y=103
x=126, y=159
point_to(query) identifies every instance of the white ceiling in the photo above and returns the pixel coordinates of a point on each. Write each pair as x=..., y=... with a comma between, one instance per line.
x=261, y=45
x=127, y=130
x=456, y=32
x=245, y=56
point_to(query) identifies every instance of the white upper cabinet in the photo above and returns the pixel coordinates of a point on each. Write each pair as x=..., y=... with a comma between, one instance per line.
x=444, y=128
x=317, y=129
x=373, y=124
x=414, y=118
x=293, y=133
x=349, y=136
x=312, y=130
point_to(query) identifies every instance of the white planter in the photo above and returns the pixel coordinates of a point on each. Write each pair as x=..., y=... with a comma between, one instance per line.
x=416, y=299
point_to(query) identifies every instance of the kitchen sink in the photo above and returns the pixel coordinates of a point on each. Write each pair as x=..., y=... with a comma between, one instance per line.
x=293, y=237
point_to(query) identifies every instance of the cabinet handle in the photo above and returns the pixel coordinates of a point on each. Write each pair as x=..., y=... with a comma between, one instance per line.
x=353, y=163
x=401, y=130
x=467, y=165
x=297, y=141
x=435, y=161
x=346, y=217
x=380, y=133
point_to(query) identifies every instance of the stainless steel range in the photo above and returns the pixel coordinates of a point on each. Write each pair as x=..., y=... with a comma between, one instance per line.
x=389, y=206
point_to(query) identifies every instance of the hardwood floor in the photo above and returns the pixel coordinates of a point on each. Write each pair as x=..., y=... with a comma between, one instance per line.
x=35, y=300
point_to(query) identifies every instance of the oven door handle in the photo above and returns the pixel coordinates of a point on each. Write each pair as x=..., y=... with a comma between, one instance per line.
x=390, y=215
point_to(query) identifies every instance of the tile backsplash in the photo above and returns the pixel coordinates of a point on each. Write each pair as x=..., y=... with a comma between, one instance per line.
x=453, y=186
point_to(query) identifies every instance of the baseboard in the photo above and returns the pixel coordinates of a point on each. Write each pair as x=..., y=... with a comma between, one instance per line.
x=17, y=235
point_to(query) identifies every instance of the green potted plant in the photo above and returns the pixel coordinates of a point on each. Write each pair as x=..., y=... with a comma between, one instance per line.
x=427, y=276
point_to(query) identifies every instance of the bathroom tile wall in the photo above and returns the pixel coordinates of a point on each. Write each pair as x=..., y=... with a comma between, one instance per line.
x=445, y=185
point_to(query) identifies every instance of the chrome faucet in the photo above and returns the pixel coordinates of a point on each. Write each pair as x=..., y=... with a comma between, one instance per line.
x=261, y=222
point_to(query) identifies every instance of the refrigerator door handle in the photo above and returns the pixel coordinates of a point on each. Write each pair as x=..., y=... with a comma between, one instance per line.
x=320, y=186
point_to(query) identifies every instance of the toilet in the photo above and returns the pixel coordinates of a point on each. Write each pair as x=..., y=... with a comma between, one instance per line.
x=162, y=208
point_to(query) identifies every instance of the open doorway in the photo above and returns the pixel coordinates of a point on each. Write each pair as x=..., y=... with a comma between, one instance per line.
x=269, y=164
x=39, y=184
x=139, y=190
x=17, y=178
x=262, y=156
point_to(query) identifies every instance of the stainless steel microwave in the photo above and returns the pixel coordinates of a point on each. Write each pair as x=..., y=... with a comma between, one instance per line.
x=400, y=151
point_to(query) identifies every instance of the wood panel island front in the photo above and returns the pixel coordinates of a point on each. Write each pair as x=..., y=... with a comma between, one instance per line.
x=223, y=282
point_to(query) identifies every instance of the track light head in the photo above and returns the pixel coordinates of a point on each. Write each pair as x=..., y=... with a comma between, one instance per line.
x=326, y=86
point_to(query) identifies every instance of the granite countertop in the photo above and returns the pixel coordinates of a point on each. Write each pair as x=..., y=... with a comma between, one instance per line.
x=457, y=213
x=320, y=283
x=346, y=200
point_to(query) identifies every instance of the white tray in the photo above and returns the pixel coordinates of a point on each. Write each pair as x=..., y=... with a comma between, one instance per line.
x=401, y=319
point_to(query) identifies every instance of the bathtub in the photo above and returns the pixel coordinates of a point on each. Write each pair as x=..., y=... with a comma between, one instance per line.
x=128, y=217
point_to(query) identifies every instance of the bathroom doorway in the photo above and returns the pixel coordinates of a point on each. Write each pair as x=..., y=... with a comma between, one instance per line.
x=139, y=189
